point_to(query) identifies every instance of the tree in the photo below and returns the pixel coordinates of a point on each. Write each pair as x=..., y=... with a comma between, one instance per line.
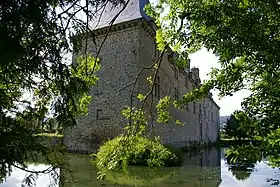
x=233, y=127
x=34, y=39
x=35, y=79
x=245, y=37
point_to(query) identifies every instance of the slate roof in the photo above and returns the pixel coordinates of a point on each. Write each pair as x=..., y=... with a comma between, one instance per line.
x=133, y=11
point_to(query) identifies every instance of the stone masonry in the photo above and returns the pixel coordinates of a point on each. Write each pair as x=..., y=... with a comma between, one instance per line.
x=130, y=46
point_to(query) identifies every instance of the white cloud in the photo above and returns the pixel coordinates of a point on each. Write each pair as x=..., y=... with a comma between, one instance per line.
x=205, y=60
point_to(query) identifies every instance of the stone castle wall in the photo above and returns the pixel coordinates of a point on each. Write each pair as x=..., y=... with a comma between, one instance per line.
x=172, y=134
x=126, y=50
x=118, y=68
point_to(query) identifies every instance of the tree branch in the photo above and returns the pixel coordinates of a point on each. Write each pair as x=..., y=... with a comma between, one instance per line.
x=48, y=170
x=109, y=29
x=134, y=84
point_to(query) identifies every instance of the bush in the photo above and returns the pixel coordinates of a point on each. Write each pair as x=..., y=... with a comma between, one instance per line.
x=134, y=150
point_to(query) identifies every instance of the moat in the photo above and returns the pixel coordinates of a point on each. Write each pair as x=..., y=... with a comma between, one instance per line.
x=207, y=168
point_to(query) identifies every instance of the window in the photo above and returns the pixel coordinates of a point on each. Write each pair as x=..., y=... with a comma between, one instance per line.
x=176, y=94
x=204, y=112
x=156, y=51
x=176, y=73
x=157, y=87
x=170, y=57
x=186, y=81
x=194, y=107
x=99, y=114
x=208, y=115
x=97, y=87
x=212, y=119
x=187, y=107
x=200, y=109
x=166, y=87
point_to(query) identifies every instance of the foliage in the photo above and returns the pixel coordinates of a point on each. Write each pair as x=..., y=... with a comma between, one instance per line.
x=133, y=150
x=50, y=135
x=242, y=166
x=255, y=154
x=163, y=108
x=36, y=79
x=241, y=172
x=233, y=127
x=245, y=37
x=137, y=119
x=23, y=148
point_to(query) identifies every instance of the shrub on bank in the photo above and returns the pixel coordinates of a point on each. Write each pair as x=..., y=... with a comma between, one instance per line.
x=134, y=150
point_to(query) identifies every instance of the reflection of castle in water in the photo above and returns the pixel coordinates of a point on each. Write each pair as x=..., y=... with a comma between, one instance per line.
x=204, y=158
x=200, y=169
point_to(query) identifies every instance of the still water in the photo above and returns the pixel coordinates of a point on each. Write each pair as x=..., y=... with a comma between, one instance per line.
x=205, y=169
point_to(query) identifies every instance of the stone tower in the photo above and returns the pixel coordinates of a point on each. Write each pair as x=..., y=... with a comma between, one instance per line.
x=130, y=46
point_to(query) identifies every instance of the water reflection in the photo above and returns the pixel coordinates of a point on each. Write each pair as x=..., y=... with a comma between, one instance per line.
x=241, y=170
x=255, y=175
x=207, y=168
x=200, y=169
x=19, y=178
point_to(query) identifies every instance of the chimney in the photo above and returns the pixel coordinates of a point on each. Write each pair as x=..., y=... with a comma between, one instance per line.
x=195, y=72
x=188, y=65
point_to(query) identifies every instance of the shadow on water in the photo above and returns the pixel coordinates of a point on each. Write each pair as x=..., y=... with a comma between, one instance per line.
x=205, y=168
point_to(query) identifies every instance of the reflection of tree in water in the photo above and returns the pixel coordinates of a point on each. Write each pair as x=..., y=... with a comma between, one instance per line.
x=38, y=165
x=199, y=169
x=32, y=176
x=241, y=171
x=241, y=165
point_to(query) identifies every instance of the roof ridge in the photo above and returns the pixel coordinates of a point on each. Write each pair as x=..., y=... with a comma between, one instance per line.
x=134, y=10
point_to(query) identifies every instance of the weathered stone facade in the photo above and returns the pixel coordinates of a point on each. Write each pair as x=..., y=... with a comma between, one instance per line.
x=129, y=47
